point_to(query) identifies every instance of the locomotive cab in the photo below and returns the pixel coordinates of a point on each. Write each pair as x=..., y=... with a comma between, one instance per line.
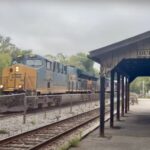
x=18, y=78
x=21, y=76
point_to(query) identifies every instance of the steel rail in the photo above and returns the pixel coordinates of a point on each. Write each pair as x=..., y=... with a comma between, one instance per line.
x=6, y=143
x=57, y=137
x=51, y=140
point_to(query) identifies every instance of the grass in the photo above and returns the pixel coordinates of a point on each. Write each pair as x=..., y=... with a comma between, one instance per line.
x=3, y=131
x=33, y=122
x=66, y=147
x=72, y=143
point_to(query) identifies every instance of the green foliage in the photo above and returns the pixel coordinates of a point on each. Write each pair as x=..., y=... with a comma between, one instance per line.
x=50, y=57
x=33, y=122
x=59, y=57
x=137, y=85
x=5, y=45
x=80, y=60
x=62, y=58
x=65, y=147
x=72, y=143
x=5, y=60
x=96, y=72
x=3, y=131
x=18, y=52
x=9, y=51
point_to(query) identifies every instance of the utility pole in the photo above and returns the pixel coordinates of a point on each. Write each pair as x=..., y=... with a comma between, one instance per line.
x=143, y=88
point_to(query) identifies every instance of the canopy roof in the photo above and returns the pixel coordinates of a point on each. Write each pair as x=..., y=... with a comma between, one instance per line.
x=135, y=67
x=122, y=45
x=124, y=56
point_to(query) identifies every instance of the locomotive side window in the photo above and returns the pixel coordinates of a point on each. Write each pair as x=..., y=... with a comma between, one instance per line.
x=19, y=59
x=58, y=67
x=62, y=68
x=49, y=65
x=34, y=62
x=54, y=66
x=65, y=69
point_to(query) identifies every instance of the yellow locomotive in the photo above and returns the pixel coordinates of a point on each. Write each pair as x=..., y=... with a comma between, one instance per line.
x=18, y=78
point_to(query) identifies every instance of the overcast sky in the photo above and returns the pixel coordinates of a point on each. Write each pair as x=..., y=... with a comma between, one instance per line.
x=50, y=27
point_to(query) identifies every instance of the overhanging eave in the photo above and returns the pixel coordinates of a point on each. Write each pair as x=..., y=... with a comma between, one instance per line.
x=119, y=45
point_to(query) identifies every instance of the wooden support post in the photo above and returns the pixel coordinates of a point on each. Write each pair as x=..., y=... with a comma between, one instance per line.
x=25, y=109
x=112, y=100
x=122, y=106
x=102, y=105
x=118, y=96
x=128, y=86
x=126, y=95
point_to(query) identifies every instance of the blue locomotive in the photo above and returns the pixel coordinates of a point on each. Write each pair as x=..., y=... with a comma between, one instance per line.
x=36, y=74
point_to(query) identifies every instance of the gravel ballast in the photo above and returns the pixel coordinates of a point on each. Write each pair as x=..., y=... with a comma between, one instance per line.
x=14, y=124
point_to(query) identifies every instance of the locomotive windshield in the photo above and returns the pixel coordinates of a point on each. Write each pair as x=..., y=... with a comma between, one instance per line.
x=18, y=60
x=34, y=62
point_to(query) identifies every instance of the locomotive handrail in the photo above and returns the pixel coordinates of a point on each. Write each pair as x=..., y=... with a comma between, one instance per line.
x=20, y=94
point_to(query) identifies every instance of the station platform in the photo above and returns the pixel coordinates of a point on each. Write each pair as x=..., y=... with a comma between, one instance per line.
x=131, y=133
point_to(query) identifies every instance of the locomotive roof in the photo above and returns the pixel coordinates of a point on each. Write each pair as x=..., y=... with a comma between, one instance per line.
x=80, y=72
x=37, y=56
x=86, y=75
x=121, y=45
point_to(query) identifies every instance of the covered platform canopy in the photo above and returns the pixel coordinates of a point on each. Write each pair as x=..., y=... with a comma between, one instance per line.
x=126, y=60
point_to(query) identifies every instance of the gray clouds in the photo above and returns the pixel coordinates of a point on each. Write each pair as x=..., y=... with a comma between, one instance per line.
x=70, y=27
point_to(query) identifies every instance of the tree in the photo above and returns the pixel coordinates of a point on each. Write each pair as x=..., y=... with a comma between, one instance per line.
x=137, y=85
x=80, y=60
x=50, y=57
x=5, y=44
x=9, y=52
x=62, y=59
x=17, y=52
x=5, y=60
x=74, y=60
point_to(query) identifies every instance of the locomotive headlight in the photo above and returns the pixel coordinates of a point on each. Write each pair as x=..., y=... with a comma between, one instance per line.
x=1, y=86
x=17, y=68
x=20, y=86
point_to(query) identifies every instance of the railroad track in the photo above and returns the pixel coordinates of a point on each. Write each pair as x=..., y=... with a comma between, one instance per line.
x=37, y=138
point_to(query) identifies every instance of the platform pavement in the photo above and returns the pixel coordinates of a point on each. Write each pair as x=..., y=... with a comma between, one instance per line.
x=131, y=133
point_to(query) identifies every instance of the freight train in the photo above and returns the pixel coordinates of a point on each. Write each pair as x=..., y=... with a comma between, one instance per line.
x=46, y=83
x=34, y=74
